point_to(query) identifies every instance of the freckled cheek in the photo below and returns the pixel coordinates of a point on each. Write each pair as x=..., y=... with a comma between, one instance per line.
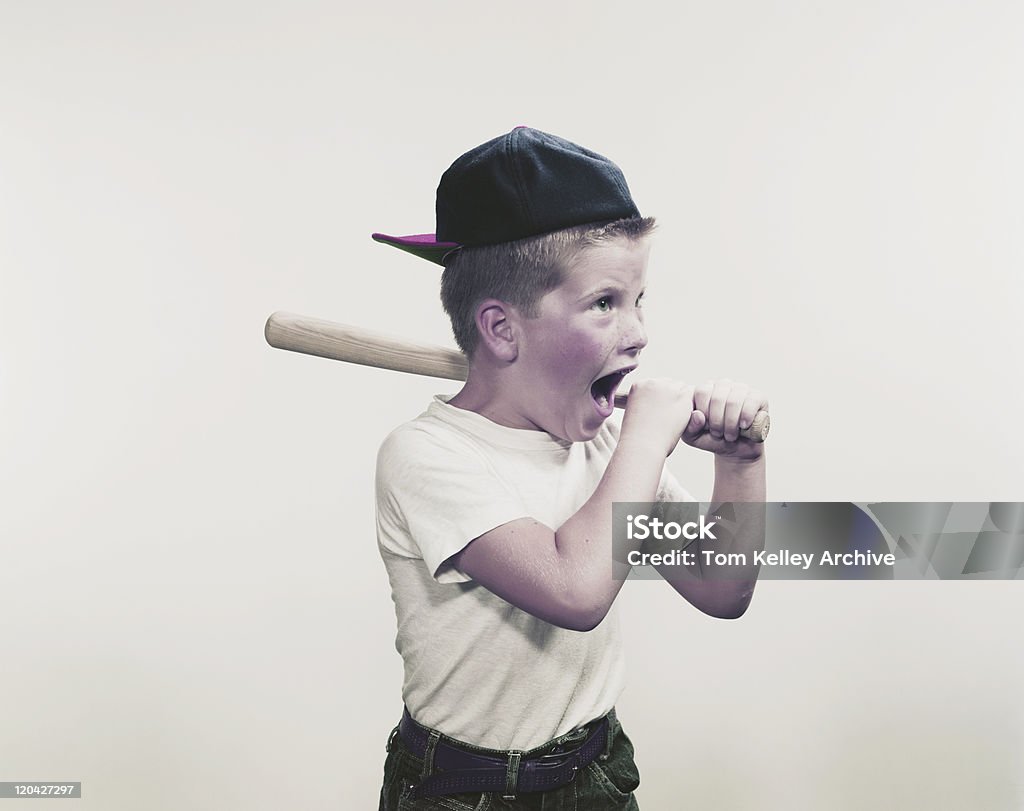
x=581, y=351
x=573, y=355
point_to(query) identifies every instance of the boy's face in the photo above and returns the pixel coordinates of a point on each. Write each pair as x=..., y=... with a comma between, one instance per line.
x=588, y=334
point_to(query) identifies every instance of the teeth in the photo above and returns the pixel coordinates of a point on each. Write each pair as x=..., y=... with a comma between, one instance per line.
x=603, y=397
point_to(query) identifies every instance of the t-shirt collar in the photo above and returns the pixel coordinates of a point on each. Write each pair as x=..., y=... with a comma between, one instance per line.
x=481, y=426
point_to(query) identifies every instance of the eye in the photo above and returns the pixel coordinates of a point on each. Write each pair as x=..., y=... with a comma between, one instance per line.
x=603, y=304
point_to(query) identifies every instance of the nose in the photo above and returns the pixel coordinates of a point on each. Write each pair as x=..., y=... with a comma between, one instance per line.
x=634, y=335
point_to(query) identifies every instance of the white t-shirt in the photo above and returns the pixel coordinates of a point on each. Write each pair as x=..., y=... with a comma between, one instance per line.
x=476, y=667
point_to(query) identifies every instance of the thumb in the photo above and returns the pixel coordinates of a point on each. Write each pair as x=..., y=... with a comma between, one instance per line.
x=695, y=426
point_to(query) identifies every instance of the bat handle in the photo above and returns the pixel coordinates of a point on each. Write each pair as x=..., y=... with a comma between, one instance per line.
x=757, y=432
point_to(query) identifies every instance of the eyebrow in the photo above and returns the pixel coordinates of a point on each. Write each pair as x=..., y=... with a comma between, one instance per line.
x=605, y=290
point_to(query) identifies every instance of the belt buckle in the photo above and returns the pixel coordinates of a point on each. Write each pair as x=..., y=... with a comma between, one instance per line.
x=570, y=742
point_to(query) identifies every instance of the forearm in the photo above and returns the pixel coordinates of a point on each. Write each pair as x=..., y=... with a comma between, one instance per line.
x=727, y=564
x=739, y=480
x=584, y=542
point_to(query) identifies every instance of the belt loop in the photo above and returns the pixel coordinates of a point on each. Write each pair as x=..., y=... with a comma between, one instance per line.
x=428, y=755
x=512, y=774
x=391, y=740
x=609, y=736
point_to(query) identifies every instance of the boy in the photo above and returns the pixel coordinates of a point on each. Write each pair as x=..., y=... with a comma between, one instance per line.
x=494, y=506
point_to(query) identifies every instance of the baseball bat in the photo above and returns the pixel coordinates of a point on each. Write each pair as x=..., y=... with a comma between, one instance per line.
x=328, y=339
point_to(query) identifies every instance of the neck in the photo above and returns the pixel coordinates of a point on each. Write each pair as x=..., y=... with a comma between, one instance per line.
x=487, y=392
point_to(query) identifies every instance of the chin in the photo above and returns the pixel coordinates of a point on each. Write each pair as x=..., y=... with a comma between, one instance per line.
x=581, y=428
x=585, y=433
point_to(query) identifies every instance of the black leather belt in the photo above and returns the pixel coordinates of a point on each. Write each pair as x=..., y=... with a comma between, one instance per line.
x=458, y=769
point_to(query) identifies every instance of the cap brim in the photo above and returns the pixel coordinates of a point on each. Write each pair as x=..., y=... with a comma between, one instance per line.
x=424, y=246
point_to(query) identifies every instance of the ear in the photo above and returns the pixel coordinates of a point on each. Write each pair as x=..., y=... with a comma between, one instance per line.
x=494, y=323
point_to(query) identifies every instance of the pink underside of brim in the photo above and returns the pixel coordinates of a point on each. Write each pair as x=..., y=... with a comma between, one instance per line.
x=416, y=240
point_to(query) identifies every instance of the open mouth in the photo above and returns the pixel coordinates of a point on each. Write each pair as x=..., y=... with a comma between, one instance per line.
x=603, y=389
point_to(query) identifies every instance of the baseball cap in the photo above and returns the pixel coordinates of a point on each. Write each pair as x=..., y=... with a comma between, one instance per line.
x=520, y=184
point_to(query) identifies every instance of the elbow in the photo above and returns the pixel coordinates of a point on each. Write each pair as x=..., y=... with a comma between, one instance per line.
x=588, y=621
x=582, y=623
x=727, y=613
x=581, y=615
x=731, y=608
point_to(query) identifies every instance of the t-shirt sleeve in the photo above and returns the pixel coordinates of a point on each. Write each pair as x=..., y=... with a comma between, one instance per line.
x=434, y=497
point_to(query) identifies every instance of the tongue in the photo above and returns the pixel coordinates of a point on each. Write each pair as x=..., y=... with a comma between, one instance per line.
x=601, y=388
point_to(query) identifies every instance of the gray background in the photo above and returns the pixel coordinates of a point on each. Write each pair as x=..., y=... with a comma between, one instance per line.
x=193, y=613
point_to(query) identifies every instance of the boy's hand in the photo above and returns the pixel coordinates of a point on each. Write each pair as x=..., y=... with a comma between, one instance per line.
x=658, y=412
x=721, y=409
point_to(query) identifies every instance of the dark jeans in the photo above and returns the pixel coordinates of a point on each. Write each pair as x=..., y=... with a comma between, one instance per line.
x=607, y=784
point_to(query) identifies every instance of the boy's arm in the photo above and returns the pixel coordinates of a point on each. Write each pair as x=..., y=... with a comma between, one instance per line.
x=564, y=576
x=725, y=590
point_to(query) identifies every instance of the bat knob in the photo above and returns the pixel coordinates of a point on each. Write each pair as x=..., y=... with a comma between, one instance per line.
x=758, y=430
